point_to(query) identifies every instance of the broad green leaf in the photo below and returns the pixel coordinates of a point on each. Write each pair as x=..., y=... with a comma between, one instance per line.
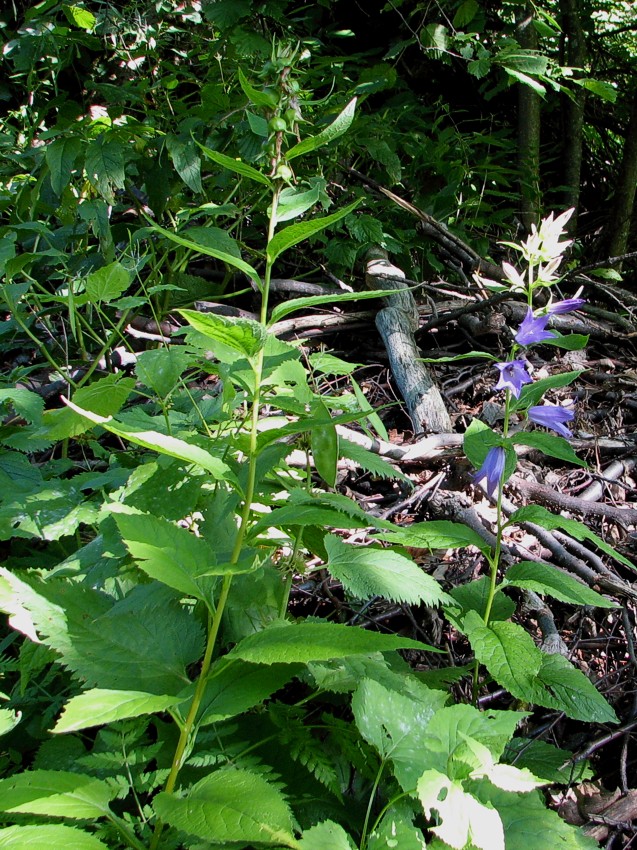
x=395, y=831
x=572, y=692
x=234, y=688
x=50, y=512
x=365, y=572
x=161, y=443
x=508, y=653
x=103, y=398
x=56, y=793
x=230, y=805
x=242, y=335
x=568, y=342
x=304, y=642
x=296, y=304
x=105, y=165
x=327, y=834
x=438, y=534
x=549, y=444
x=186, y=160
x=339, y=125
x=295, y=233
x=540, y=516
x=293, y=203
x=544, y=578
x=236, y=165
x=229, y=259
x=370, y=461
x=464, y=819
x=169, y=553
x=533, y=393
x=607, y=91
x=82, y=18
x=299, y=516
x=474, y=595
x=268, y=100
x=324, y=444
x=526, y=61
x=546, y=761
x=61, y=155
x=215, y=238
x=466, y=13
x=27, y=404
x=48, y=836
x=107, y=283
x=100, y=706
x=161, y=368
x=538, y=88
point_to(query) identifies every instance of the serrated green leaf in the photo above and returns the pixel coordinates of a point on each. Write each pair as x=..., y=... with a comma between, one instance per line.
x=27, y=404
x=61, y=155
x=340, y=125
x=327, y=834
x=82, y=18
x=236, y=165
x=230, y=805
x=236, y=262
x=370, y=461
x=186, y=160
x=100, y=706
x=606, y=91
x=161, y=368
x=474, y=596
x=56, y=793
x=161, y=443
x=296, y=304
x=105, y=165
x=546, y=579
x=52, y=511
x=48, y=836
x=397, y=832
x=572, y=692
x=439, y=534
x=538, y=88
x=324, y=444
x=295, y=233
x=367, y=572
x=305, y=642
x=548, y=444
x=107, y=283
x=242, y=335
x=103, y=398
x=541, y=516
x=234, y=688
x=268, y=100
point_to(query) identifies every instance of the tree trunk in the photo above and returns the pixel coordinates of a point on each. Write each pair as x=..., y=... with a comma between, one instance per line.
x=619, y=227
x=528, y=132
x=573, y=109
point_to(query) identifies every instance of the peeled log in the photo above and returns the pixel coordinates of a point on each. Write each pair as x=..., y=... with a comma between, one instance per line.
x=397, y=322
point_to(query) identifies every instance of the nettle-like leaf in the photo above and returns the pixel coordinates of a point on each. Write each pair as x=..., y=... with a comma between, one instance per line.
x=545, y=578
x=161, y=368
x=367, y=571
x=27, y=404
x=474, y=596
x=464, y=819
x=105, y=165
x=541, y=516
x=52, y=511
x=186, y=160
x=61, y=155
x=438, y=534
x=56, y=793
x=515, y=662
x=398, y=828
x=370, y=461
x=99, y=706
x=108, y=283
x=36, y=837
x=230, y=805
x=327, y=834
x=242, y=335
x=144, y=641
x=103, y=397
x=290, y=643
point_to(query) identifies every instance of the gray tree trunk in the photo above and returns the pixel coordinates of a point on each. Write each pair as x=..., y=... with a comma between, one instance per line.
x=619, y=227
x=528, y=131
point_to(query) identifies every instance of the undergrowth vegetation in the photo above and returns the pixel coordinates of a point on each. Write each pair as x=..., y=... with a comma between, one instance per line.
x=158, y=692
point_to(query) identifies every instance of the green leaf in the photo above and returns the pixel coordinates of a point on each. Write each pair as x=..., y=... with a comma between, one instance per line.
x=472, y=355
x=100, y=706
x=324, y=444
x=395, y=831
x=439, y=534
x=607, y=91
x=546, y=579
x=366, y=572
x=533, y=393
x=161, y=368
x=103, y=397
x=230, y=805
x=466, y=13
x=293, y=203
x=296, y=233
x=568, y=342
x=8, y=720
x=186, y=160
x=370, y=461
x=107, y=283
x=51, y=835
x=265, y=99
x=169, y=553
x=305, y=642
x=105, y=165
x=236, y=165
x=572, y=692
x=56, y=793
x=27, y=404
x=242, y=335
x=465, y=821
x=235, y=262
x=340, y=125
x=540, y=516
x=215, y=238
x=161, y=443
x=61, y=155
x=474, y=596
x=234, y=688
x=296, y=304
x=479, y=438
x=548, y=444
x=82, y=18
x=538, y=88
x=327, y=834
